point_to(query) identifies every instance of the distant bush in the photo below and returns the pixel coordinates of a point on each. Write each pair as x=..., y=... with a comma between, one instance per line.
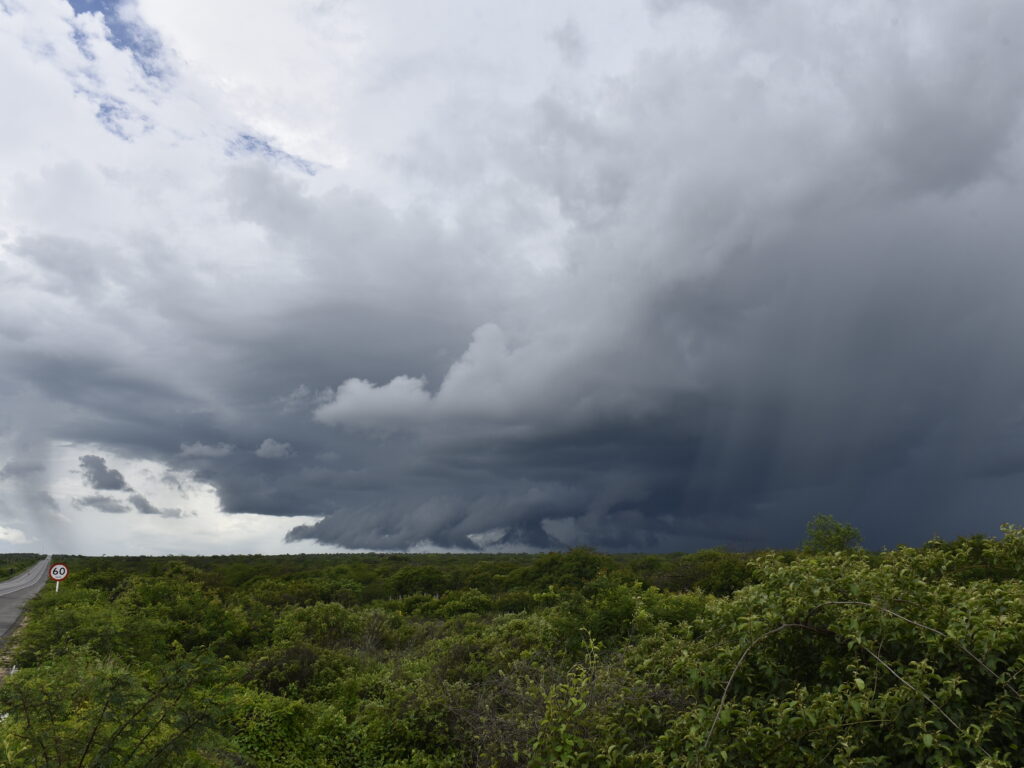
x=826, y=534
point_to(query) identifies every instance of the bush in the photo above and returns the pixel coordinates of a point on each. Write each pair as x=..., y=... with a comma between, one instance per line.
x=83, y=709
x=832, y=656
x=826, y=534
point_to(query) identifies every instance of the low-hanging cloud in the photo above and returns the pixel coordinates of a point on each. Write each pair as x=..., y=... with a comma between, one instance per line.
x=146, y=507
x=101, y=477
x=102, y=503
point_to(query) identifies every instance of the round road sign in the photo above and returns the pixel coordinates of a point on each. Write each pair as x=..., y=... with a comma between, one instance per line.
x=58, y=571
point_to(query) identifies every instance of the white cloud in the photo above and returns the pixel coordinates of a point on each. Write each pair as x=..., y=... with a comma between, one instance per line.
x=12, y=535
x=358, y=403
x=271, y=449
x=189, y=519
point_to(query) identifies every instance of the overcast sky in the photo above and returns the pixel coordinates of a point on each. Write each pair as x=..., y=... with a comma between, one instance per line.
x=307, y=275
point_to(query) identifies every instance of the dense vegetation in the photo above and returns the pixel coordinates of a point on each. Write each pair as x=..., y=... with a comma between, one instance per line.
x=13, y=563
x=829, y=656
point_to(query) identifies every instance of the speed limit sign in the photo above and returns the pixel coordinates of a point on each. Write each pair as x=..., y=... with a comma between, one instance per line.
x=58, y=572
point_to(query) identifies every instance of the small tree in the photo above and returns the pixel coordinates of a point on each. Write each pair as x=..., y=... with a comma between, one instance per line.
x=826, y=534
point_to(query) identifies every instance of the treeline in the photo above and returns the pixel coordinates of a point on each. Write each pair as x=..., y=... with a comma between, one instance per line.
x=828, y=656
x=13, y=563
x=366, y=578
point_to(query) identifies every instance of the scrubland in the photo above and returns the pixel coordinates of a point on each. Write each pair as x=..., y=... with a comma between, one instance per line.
x=830, y=655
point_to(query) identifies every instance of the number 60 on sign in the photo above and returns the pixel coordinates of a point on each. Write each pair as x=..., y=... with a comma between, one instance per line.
x=58, y=572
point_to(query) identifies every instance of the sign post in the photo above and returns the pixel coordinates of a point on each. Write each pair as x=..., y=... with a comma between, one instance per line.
x=58, y=572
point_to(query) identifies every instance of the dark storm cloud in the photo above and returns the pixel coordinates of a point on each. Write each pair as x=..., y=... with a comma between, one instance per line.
x=99, y=476
x=854, y=356
x=112, y=399
x=779, y=275
x=840, y=374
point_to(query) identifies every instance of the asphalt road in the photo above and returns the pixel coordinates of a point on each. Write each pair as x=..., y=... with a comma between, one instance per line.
x=18, y=590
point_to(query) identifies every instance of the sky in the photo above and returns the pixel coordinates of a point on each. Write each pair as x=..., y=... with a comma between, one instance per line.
x=339, y=275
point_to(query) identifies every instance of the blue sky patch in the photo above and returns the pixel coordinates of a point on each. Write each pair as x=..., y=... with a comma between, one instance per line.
x=113, y=116
x=126, y=34
x=246, y=143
